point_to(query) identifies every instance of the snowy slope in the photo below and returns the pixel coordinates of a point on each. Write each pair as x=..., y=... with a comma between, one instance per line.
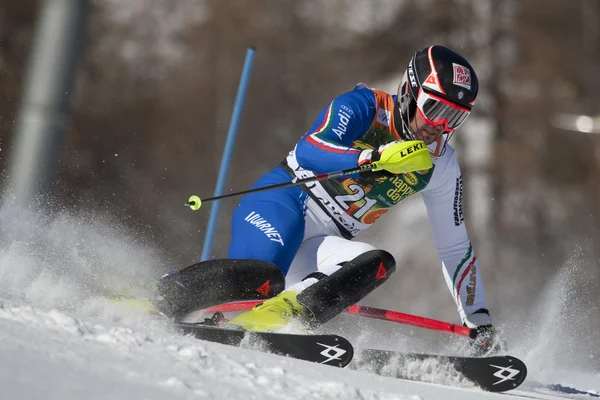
x=57, y=344
x=49, y=354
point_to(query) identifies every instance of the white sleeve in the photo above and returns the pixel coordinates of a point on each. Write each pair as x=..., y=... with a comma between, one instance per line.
x=443, y=200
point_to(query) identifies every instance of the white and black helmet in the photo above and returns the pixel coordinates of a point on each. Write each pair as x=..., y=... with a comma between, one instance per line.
x=441, y=85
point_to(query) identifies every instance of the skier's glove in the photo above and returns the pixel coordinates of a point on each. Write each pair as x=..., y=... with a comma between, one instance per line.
x=371, y=156
x=398, y=157
x=488, y=340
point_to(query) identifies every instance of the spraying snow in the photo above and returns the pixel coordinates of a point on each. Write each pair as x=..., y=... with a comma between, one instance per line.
x=56, y=343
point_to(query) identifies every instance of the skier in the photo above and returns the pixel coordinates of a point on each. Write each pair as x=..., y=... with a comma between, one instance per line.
x=307, y=231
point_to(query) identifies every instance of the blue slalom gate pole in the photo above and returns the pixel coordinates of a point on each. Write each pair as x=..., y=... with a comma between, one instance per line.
x=226, y=159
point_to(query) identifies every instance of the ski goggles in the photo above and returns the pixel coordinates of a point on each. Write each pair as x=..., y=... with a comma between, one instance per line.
x=437, y=111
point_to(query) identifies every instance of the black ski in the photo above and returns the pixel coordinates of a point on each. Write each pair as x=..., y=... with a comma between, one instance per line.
x=494, y=374
x=323, y=349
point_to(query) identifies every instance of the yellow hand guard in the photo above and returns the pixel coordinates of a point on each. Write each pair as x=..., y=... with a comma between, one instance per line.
x=402, y=157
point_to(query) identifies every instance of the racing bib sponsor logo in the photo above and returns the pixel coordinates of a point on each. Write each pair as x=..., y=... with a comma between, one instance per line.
x=411, y=179
x=339, y=217
x=462, y=76
x=400, y=190
x=458, y=210
x=321, y=195
x=255, y=219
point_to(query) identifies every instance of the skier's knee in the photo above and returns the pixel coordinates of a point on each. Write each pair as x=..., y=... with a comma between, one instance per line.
x=367, y=260
x=362, y=263
x=332, y=294
x=357, y=249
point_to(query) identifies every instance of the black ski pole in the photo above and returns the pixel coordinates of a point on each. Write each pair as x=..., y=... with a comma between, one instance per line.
x=411, y=155
x=195, y=202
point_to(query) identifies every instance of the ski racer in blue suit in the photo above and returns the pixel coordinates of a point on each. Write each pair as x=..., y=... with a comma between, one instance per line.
x=308, y=230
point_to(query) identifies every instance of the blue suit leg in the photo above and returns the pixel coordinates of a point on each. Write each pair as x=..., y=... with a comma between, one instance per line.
x=269, y=226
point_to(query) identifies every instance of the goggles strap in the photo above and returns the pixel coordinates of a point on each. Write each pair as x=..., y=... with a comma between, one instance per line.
x=404, y=118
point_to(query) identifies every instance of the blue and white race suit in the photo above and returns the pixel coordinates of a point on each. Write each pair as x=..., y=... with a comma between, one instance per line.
x=310, y=228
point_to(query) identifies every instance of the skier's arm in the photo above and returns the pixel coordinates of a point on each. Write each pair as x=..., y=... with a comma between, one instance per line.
x=460, y=266
x=327, y=146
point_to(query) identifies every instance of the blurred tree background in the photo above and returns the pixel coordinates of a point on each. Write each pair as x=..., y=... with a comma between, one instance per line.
x=158, y=78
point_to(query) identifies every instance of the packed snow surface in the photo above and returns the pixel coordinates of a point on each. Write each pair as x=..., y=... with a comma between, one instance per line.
x=59, y=341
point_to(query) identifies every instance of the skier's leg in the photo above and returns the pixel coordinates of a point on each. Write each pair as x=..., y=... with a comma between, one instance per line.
x=345, y=273
x=267, y=229
x=324, y=254
x=269, y=226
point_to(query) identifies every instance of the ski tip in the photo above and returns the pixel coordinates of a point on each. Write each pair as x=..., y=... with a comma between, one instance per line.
x=503, y=373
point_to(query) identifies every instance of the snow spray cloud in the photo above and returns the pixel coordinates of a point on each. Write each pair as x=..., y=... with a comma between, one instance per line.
x=560, y=330
x=58, y=260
